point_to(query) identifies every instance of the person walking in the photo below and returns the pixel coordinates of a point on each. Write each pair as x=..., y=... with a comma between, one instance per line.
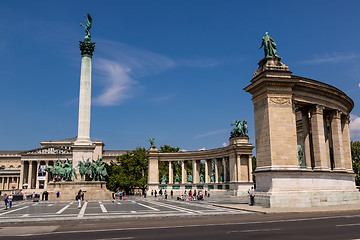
x=165, y=194
x=172, y=194
x=6, y=200
x=155, y=193
x=57, y=196
x=78, y=198
x=252, y=196
x=10, y=199
x=152, y=192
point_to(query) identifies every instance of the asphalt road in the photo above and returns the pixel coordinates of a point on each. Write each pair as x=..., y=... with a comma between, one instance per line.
x=340, y=225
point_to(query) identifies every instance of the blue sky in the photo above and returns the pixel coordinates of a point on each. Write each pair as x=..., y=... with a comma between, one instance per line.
x=173, y=70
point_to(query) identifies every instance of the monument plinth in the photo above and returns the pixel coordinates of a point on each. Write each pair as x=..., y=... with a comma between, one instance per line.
x=297, y=118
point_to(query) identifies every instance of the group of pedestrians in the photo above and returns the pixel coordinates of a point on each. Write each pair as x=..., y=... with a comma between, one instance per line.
x=8, y=199
x=161, y=193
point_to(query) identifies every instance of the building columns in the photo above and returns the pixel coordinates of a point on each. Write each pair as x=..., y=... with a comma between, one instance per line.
x=216, y=171
x=346, y=143
x=207, y=178
x=21, y=180
x=238, y=169
x=318, y=136
x=337, y=139
x=30, y=174
x=233, y=168
x=306, y=133
x=183, y=173
x=171, y=177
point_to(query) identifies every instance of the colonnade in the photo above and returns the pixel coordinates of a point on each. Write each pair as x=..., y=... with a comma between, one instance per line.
x=325, y=141
x=30, y=171
x=9, y=182
x=230, y=169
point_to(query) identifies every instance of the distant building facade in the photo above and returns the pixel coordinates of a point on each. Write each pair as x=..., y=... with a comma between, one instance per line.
x=25, y=170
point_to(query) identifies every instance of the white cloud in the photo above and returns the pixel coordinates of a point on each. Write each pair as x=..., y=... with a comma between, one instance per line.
x=210, y=133
x=354, y=126
x=202, y=149
x=331, y=58
x=183, y=150
x=359, y=84
x=117, y=66
x=224, y=144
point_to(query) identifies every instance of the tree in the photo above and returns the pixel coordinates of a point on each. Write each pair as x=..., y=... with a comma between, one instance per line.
x=355, y=156
x=164, y=166
x=131, y=171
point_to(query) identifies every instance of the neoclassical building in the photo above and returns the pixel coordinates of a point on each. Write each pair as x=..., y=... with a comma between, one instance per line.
x=24, y=170
x=226, y=170
x=302, y=139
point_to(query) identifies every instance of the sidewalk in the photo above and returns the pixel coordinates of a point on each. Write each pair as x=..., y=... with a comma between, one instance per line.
x=264, y=210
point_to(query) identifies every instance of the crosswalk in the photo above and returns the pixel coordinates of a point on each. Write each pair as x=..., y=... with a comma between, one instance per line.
x=40, y=211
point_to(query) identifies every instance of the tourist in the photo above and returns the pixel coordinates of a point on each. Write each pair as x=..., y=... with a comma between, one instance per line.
x=152, y=192
x=155, y=193
x=165, y=194
x=6, y=200
x=172, y=194
x=57, y=195
x=10, y=199
x=78, y=198
x=82, y=195
x=120, y=195
x=144, y=193
x=123, y=195
x=252, y=196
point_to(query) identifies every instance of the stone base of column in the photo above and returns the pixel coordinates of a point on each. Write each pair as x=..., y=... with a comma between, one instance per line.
x=305, y=189
x=81, y=153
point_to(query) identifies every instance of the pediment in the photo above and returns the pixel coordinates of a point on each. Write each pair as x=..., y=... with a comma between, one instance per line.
x=49, y=150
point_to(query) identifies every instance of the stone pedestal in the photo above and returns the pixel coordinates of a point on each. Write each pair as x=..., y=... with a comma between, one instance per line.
x=93, y=190
x=81, y=153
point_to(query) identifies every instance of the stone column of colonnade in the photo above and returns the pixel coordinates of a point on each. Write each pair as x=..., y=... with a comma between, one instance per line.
x=346, y=143
x=207, y=177
x=216, y=171
x=21, y=180
x=37, y=174
x=224, y=169
x=30, y=174
x=321, y=156
x=233, y=168
x=306, y=134
x=337, y=138
x=171, y=173
x=183, y=172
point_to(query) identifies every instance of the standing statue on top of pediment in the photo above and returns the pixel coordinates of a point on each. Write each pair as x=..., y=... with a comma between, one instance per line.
x=269, y=46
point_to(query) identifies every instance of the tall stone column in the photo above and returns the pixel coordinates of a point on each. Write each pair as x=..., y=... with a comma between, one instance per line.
x=224, y=169
x=346, y=143
x=337, y=139
x=21, y=180
x=318, y=136
x=183, y=172
x=207, y=178
x=87, y=49
x=250, y=169
x=233, y=167
x=216, y=171
x=30, y=173
x=83, y=148
x=306, y=133
x=37, y=174
x=171, y=174
x=238, y=169
x=46, y=176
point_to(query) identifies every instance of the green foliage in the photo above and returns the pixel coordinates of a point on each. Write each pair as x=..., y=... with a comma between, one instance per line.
x=131, y=171
x=355, y=156
x=164, y=166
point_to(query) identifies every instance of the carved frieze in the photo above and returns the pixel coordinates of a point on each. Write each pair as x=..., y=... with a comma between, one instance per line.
x=280, y=100
x=50, y=150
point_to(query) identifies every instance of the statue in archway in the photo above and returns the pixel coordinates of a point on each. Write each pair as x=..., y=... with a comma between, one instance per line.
x=163, y=179
x=177, y=179
x=300, y=154
x=201, y=178
x=189, y=178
